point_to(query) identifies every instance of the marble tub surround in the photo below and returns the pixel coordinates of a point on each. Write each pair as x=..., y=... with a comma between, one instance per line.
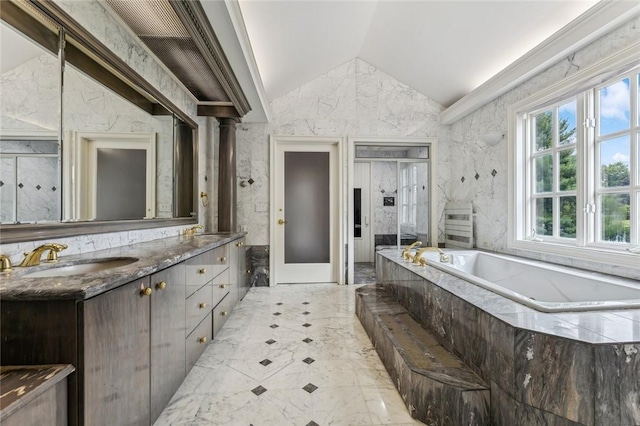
x=258, y=261
x=152, y=256
x=289, y=355
x=436, y=386
x=578, y=367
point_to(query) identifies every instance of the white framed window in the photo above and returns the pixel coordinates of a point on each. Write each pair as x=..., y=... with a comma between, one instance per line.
x=575, y=160
x=409, y=195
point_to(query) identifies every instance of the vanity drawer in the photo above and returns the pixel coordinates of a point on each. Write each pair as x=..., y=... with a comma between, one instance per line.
x=221, y=287
x=199, y=304
x=198, y=271
x=197, y=341
x=221, y=312
x=220, y=261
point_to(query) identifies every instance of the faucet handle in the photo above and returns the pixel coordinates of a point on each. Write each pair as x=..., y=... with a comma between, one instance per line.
x=54, y=249
x=5, y=263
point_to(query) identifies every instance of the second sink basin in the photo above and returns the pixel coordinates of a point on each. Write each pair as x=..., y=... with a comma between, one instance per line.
x=96, y=265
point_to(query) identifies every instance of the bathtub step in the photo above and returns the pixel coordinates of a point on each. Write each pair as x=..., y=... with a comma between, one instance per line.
x=437, y=387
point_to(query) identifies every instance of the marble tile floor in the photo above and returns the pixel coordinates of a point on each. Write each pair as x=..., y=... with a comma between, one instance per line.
x=289, y=355
x=364, y=273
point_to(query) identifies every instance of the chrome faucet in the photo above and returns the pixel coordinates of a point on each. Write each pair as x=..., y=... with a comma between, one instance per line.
x=5, y=263
x=192, y=231
x=405, y=252
x=33, y=258
x=444, y=257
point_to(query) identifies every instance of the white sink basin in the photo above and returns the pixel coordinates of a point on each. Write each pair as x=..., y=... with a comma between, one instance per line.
x=82, y=268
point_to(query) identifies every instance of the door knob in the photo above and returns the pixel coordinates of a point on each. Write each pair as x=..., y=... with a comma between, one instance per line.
x=281, y=222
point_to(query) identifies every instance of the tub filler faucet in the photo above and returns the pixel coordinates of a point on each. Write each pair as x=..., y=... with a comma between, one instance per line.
x=417, y=259
x=406, y=255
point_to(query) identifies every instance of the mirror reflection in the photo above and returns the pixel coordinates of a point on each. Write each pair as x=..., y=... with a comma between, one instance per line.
x=104, y=157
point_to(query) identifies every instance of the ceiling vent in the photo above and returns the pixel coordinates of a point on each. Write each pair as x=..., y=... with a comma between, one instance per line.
x=179, y=34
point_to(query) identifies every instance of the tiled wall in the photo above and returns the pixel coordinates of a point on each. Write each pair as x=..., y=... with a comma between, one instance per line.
x=353, y=99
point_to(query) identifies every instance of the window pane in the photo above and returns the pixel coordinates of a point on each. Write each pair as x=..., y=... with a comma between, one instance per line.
x=543, y=131
x=544, y=216
x=615, y=217
x=568, y=217
x=544, y=173
x=614, y=162
x=568, y=169
x=614, y=107
x=567, y=123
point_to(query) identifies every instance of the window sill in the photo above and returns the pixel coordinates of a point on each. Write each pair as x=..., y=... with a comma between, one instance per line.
x=601, y=255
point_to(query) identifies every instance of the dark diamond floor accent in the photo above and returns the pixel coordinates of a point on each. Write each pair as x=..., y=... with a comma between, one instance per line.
x=308, y=360
x=54, y=188
x=270, y=342
x=307, y=340
x=265, y=362
x=1, y=183
x=38, y=187
x=306, y=324
x=305, y=303
x=277, y=313
x=259, y=390
x=312, y=423
x=251, y=181
x=494, y=172
x=310, y=387
x=274, y=326
x=477, y=176
x=462, y=179
x=20, y=186
x=279, y=303
x=306, y=313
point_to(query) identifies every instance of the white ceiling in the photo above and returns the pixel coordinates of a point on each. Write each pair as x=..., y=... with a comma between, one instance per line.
x=16, y=49
x=444, y=49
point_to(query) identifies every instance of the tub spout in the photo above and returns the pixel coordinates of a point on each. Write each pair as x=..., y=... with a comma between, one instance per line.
x=444, y=257
x=405, y=253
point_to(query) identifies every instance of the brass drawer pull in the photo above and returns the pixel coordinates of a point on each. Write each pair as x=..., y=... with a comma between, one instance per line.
x=248, y=271
x=146, y=291
x=240, y=244
x=202, y=271
x=223, y=286
x=202, y=340
x=224, y=313
x=223, y=259
x=203, y=305
x=161, y=285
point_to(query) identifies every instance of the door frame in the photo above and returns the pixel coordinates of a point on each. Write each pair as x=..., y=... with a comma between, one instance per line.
x=275, y=142
x=80, y=169
x=433, y=185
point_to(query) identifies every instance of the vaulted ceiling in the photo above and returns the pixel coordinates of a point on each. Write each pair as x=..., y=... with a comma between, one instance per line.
x=444, y=49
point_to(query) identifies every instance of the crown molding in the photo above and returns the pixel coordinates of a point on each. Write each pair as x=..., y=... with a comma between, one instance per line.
x=595, y=22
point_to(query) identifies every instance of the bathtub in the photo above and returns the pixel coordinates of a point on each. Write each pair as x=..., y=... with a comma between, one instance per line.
x=541, y=286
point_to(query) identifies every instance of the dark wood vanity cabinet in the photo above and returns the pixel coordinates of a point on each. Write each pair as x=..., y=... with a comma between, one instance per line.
x=132, y=346
x=167, y=336
x=114, y=361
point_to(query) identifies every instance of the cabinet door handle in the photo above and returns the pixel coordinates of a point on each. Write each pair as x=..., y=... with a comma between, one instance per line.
x=203, y=305
x=224, y=313
x=146, y=291
x=248, y=271
x=240, y=244
x=161, y=285
x=202, y=340
x=202, y=271
x=223, y=286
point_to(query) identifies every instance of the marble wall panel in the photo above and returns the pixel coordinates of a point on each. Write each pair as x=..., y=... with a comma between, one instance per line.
x=618, y=384
x=354, y=99
x=555, y=374
x=503, y=407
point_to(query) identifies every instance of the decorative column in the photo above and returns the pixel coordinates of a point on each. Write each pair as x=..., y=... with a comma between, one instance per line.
x=227, y=188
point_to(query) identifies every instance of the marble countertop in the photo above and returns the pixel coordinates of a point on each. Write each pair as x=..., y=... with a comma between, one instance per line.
x=152, y=256
x=598, y=327
x=22, y=384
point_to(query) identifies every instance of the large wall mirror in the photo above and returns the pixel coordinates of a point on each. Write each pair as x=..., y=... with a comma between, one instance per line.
x=83, y=147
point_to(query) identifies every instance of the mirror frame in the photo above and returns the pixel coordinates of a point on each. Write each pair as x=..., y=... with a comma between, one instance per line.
x=120, y=73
